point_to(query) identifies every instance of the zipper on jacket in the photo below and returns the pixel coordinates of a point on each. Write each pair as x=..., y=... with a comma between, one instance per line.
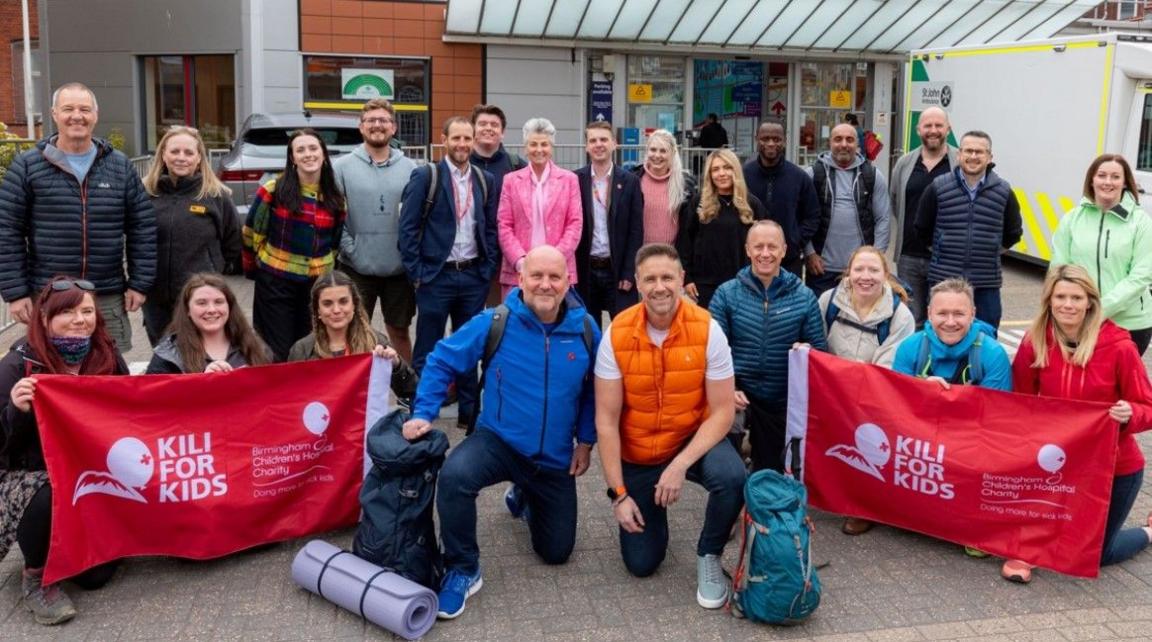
x=1107, y=240
x=1099, y=233
x=84, y=227
x=544, y=413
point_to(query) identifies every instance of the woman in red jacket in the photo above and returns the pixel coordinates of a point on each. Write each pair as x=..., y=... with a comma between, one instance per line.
x=1072, y=351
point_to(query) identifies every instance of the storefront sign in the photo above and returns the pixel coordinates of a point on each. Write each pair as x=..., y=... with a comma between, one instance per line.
x=367, y=83
x=840, y=99
x=600, y=101
x=640, y=93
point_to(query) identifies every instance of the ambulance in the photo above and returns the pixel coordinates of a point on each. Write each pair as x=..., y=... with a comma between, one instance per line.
x=1050, y=106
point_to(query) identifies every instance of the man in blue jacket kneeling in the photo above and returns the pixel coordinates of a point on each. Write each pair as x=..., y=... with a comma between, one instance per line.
x=536, y=402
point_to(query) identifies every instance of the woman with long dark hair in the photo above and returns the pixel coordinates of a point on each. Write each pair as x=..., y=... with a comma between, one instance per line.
x=1072, y=351
x=291, y=237
x=198, y=229
x=66, y=335
x=340, y=326
x=1110, y=235
x=209, y=332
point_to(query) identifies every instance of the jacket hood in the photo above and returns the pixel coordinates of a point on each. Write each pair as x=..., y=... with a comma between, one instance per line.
x=167, y=351
x=826, y=158
x=361, y=152
x=953, y=352
x=782, y=285
x=1111, y=335
x=1122, y=210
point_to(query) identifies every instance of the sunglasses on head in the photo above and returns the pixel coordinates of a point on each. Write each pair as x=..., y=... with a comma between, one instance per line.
x=67, y=284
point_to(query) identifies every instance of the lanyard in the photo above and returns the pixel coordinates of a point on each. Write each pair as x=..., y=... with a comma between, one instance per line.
x=462, y=210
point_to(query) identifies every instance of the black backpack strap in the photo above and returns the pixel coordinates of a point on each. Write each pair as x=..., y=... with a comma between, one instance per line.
x=479, y=173
x=429, y=201
x=491, y=345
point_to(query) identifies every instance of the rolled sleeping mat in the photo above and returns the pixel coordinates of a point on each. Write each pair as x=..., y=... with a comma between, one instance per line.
x=380, y=596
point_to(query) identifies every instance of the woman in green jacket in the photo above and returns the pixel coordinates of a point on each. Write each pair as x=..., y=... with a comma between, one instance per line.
x=1111, y=236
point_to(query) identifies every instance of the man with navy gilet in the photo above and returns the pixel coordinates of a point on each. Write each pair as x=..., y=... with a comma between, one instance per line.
x=449, y=247
x=972, y=217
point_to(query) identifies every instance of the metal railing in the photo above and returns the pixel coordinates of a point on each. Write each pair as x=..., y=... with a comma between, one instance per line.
x=573, y=156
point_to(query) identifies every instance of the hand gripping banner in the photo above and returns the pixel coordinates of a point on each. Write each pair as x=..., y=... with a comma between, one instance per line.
x=1017, y=476
x=203, y=465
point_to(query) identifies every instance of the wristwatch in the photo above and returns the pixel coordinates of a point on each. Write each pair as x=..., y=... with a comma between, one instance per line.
x=617, y=493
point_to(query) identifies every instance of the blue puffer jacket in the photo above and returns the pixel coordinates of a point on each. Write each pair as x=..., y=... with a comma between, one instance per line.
x=538, y=392
x=993, y=359
x=51, y=223
x=761, y=326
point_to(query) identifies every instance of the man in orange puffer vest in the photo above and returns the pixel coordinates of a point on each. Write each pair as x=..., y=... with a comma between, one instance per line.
x=664, y=403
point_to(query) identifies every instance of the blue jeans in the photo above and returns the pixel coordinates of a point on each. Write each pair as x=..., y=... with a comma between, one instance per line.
x=454, y=295
x=1121, y=544
x=719, y=471
x=913, y=270
x=482, y=460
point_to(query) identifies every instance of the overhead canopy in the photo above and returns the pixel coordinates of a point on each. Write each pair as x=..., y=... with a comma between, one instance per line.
x=745, y=26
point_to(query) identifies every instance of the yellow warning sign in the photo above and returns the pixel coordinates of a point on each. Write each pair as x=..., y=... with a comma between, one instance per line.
x=840, y=99
x=640, y=93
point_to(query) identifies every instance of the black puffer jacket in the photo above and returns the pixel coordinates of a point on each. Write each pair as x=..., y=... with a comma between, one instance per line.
x=193, y=235
x=51, y=223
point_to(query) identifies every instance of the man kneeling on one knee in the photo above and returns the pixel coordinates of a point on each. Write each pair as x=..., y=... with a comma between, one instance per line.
x=537, y=399
x=664, y=403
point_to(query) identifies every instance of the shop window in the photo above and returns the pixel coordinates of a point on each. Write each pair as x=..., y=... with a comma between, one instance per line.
x=343, y=83
x=656, y=92
x=199, y=91
x=828, y=91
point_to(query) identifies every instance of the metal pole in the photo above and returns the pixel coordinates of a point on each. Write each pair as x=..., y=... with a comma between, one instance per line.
x=28, y=90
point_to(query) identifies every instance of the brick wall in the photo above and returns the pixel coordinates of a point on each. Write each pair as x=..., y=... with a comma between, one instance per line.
x=11, y=31
x=381, y=28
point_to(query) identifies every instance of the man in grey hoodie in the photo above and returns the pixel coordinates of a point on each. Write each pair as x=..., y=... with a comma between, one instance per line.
x=854, y=209
x=372, y=178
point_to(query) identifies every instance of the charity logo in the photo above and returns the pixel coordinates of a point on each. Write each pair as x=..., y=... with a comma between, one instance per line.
x=1052, y=458
x=945, y=96
x=316, y=418
x=869, y=455
x=130, y=466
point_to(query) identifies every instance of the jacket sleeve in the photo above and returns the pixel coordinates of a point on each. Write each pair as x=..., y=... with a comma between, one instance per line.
x=721, y=310
x=635, y=212
x=510, y=246
x=903, y=326
x=255, y=230
x=686, y=238
x=15, y=424
x=997, y=368
x=905, y=360
x=573, y=218
x=1136, y=283
x=925, y=224
x=411, y=213
x=812, y=332
x=14, y=231
x=140, y=233
x=807, y=211
x=882, y=210
x=759, y=212
x=454, y=355
x=491, y=233
x=1135, y=388
x=1013, y=223
x=1025, y=379
x=404, y=377
x=1062, y=242
x=159, y=365
x=230, y=235
x=586, y=419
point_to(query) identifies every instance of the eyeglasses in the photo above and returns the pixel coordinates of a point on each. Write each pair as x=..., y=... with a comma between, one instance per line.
x=377, y=121
x=63, y=285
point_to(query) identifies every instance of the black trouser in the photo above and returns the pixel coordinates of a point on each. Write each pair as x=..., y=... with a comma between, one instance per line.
x=604, y=295
x=34, y=532
x=157, y=316
x=1141, y=339
x=280, y=311
x=766, y=423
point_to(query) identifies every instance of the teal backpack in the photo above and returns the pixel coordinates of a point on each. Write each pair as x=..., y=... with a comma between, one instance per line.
x=775, y=582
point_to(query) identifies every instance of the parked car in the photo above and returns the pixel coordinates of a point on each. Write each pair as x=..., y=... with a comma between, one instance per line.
x=259, y=150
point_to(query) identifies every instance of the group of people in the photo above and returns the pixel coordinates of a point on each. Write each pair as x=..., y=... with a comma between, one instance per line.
x=707, y=285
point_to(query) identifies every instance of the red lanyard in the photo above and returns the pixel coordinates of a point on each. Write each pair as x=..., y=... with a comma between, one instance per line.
x=462, y=210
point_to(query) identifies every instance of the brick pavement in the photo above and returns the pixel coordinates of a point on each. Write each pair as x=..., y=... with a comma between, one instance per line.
x=885, y=585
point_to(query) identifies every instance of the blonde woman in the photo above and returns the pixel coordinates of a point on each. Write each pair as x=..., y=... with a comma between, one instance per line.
x=1073, y=352
x=197, y=227
x=713, y=228
x=667, y=188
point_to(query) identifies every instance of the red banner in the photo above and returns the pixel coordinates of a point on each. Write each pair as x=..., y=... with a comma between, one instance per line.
x=201, y=465
x=1018, y=476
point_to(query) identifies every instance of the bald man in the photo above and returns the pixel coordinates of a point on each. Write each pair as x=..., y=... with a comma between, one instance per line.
x=910, y=176
x=536, y=426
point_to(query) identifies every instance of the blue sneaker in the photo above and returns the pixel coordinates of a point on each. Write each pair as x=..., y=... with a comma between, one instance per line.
x=514, y=500
x=455, y=591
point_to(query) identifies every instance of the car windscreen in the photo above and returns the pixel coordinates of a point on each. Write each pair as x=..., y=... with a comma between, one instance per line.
x=272, y=142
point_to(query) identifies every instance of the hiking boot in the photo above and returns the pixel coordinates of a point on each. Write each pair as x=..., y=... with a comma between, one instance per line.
x=711, y=584
x=855, y=526
x=49, y=604
x=514, y=500
x=455, y=591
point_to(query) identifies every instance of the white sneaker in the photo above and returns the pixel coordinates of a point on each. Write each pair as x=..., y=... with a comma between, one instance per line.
x=711, y=584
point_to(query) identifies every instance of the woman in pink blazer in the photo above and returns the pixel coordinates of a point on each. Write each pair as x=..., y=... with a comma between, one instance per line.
x=539, y=205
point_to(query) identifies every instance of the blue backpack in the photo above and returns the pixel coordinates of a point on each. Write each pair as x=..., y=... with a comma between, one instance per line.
x=881, y=330
x=775, y=582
